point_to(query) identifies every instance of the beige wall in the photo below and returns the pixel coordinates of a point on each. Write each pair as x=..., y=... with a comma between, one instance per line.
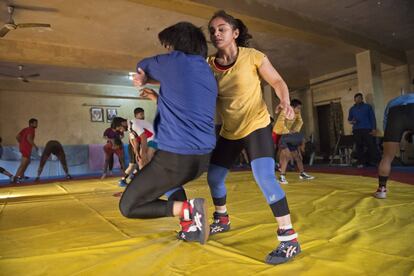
x=410, y=61
x=343, y=89
x=396, y=80
x=60, y=111
x=62, y=116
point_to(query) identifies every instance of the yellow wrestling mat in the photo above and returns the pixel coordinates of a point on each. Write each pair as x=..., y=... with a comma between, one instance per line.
x=75, y=228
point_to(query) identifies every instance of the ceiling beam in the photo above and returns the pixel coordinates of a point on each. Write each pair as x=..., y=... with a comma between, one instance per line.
x=69, y=88
x=281, y=22
x=40, y=53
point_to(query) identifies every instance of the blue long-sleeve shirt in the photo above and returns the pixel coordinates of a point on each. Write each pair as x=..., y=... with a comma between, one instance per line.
x=363, y=115
x=401, y=100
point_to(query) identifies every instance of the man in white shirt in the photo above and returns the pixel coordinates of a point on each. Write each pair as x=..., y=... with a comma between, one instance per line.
x=138, y=147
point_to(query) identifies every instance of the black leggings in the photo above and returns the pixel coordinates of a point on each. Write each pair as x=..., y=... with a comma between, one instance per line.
x=166, y=171
x=258, y=144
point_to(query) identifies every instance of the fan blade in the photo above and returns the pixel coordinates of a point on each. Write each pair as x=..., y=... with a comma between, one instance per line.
x=32, y=76
x=24, y=80
x=6, y=75
x=33, y=25
x=4, y=31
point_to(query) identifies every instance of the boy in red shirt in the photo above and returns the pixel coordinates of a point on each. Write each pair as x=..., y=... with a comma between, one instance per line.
x=26, y=143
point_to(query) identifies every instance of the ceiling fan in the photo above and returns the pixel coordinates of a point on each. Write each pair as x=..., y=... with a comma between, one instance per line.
x=23, y=78
x=11, y=25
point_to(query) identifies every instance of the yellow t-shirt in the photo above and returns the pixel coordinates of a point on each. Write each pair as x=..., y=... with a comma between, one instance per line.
x=285, y=126
x=240, y=102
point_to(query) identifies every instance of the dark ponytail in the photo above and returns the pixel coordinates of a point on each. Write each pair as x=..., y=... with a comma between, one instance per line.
x=244, y=36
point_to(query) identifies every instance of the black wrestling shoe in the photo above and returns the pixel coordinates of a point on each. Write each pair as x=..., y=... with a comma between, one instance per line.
x=288, y=248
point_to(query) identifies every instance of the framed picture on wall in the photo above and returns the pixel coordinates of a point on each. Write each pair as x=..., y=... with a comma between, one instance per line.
x=110, y=114
x=97, y=114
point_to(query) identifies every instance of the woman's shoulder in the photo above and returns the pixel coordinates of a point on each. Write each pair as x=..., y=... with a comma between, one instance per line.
x=255, y=57
x=249, y=51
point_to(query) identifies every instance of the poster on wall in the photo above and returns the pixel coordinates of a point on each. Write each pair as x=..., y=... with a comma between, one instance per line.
x=111, y=113
x=97, y=114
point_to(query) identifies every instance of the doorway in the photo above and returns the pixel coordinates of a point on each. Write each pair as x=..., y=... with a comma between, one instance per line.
x=323, y=112
x=331, y=126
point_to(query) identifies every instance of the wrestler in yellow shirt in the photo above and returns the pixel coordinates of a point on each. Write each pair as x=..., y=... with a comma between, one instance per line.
x=285, y=126
x=240, y=102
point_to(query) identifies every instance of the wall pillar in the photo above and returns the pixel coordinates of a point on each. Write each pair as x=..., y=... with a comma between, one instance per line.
x=308, y=112
x=370, y=82
x=410, y=63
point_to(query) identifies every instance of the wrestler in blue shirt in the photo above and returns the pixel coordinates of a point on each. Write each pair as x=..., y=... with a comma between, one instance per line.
x=401, y=100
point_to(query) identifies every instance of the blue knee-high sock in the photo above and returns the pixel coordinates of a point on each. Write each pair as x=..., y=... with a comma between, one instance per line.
x=264, y=173
x=215, y=177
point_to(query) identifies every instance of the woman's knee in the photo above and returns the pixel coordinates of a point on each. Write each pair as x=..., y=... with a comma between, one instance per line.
x=125, y=208
x=215, y=178
x=216, y=174
x=285, y=153
x=387, y=158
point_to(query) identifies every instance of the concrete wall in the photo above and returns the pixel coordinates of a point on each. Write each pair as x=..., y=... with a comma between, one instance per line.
x=340, y=87
x=60, y=109
x=62, y=115
x=341, y=90
x=330, y=88
x=410, y=62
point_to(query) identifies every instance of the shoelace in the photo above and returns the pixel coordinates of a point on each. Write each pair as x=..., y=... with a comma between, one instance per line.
x=284, y=249
x=197, y=220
